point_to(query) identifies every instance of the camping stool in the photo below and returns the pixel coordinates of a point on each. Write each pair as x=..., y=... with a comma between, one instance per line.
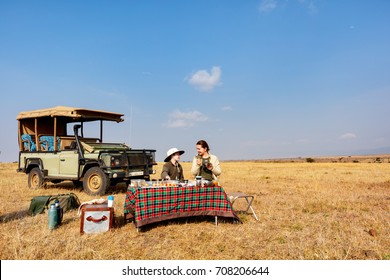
x=249, y=199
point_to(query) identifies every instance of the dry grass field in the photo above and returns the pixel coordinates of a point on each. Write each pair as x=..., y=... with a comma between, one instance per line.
x=324, y=210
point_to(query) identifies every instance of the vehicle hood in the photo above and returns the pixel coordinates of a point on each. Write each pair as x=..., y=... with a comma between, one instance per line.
x=96, y=147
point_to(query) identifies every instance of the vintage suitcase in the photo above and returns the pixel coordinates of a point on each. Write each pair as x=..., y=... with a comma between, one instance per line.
x=96, y=218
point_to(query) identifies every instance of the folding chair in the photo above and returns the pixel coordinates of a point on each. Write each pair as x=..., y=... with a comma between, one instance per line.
x=47, y=143
x=248, y=198
x=28, y=143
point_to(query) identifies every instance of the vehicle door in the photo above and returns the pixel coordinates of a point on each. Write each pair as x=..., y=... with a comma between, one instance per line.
x=69, y=163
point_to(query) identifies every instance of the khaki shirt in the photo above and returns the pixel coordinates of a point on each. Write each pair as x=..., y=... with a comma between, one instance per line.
x=175, y=172
x=216, y=171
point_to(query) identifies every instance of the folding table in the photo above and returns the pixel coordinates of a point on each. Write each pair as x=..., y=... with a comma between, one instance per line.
x=144, y=205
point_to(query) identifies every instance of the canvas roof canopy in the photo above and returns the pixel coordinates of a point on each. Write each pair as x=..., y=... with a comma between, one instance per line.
x=53, y=121
x=71, y=114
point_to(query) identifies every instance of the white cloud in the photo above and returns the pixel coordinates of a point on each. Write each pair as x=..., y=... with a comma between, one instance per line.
x=185, y=119
x=178, y=123
x=312, y=8
x=267, y=5
x=226, y=108
x=192, y=115
x=204, y=81
x=348, y=136
x=310, y=5
x=270, y=5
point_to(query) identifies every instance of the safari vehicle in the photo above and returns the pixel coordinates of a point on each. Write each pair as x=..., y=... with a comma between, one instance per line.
x=48, y=153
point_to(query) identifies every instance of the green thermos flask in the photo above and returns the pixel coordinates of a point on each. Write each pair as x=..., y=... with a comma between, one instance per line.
x=53, y=217
x=60, y=211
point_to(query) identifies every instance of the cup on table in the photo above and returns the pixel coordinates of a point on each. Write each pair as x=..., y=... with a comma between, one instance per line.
x=110, y=201
x=198, y=181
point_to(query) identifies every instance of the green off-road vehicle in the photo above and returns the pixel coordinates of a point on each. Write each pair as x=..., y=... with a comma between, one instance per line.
x=48, y=153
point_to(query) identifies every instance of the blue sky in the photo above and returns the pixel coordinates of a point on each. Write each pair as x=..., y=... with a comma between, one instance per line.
x=255, y=79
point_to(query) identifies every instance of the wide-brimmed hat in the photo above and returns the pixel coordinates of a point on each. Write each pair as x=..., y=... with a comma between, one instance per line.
x=171, y=152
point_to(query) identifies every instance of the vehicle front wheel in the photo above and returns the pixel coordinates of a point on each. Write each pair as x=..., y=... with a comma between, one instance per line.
x=95, y=182
x=35, y=179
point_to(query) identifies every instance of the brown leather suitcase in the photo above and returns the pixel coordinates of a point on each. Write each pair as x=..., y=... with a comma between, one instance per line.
x=96, y=218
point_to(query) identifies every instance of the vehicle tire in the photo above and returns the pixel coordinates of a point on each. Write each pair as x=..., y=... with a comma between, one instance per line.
x=35, y=179
x=95, y=182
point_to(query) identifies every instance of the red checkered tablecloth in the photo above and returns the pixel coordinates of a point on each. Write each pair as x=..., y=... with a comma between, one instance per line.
x=154, y=204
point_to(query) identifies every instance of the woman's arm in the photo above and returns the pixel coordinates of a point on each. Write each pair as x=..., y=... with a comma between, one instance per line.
x=195, y=167
x=216, y=166
x=165, y=171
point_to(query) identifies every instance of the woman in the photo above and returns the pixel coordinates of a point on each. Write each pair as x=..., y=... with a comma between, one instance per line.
x=205, y=164
x=172, y=169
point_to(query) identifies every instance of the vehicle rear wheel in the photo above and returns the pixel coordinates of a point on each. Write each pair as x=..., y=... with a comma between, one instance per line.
x=35, y=179
x=95, y=182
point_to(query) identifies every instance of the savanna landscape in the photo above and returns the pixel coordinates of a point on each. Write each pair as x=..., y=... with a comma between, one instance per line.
x=308, y=208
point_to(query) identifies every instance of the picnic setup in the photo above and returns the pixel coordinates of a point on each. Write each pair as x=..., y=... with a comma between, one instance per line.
x=151, y=202
x=53, y=147
x=147, y=202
